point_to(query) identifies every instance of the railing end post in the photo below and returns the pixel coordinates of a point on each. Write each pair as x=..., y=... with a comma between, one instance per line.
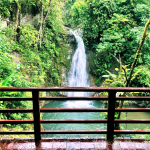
x=111, y=113
x=36, y=116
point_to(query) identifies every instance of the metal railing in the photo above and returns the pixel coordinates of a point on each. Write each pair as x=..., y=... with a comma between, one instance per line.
x=110, y=121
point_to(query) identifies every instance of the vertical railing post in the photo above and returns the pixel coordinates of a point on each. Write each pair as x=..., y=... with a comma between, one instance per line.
x=111, y=113
x=36, y=116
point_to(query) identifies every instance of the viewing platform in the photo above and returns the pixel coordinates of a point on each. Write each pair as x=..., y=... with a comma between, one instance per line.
x=74, y=144
x=81, y=143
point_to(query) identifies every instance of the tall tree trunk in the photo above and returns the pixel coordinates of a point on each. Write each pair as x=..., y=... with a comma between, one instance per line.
x=17, y=19
x=42, y=25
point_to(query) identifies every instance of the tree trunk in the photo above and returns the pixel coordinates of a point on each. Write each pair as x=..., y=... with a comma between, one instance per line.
x=17, y=19
x=42, y=25
x=144, y=36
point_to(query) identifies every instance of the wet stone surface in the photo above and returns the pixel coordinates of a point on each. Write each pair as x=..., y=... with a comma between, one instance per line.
x=50, y=144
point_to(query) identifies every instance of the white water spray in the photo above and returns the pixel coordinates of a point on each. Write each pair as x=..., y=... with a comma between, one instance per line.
x=78, y=76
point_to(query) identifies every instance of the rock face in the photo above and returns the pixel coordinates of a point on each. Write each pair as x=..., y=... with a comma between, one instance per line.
x=89, y=64
x=3, y=23
x=92, y=84
x=27, y=14
x=71, y=44
x=26, y=19
x=30, y=19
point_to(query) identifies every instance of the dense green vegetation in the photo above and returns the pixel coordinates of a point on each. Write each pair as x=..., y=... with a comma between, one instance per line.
x=112, y=28
x=32, y=53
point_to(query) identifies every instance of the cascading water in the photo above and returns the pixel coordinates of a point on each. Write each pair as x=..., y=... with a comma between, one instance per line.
x=78, y=76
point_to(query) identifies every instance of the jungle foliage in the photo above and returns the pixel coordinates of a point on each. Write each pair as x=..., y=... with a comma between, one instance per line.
x=26, y=59
x=112, y=27
x=33, y=54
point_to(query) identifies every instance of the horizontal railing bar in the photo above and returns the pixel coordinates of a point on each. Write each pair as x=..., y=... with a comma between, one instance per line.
x=74, y=121
x=135, y=98
x=73, y=98
x=132, y=120
x=16, y=110
x=16, y=121
x=16, y=132
x=15, y=98
x=55, y=121
x=74, y=132
x=79, y=89
x=132, y=109
x=77, y=110
x=132, y=131
x=73, y=110
x=78, y=132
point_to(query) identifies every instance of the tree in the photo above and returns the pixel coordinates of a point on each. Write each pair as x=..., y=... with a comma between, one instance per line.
x=43, y=19
x=125, y=76
x=138, y=53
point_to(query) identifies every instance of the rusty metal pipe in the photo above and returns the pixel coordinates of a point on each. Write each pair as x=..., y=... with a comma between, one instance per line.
x=16, y=110
x=78, y=89
x=132, y=131
x=74, y=132
x=132, y=120
x=73, y=110
x=74, y=121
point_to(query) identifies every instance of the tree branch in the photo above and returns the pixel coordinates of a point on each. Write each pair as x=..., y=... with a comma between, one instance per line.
x=144, y=36
x=47, y=11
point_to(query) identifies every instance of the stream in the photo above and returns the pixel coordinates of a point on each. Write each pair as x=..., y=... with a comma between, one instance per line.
x=78, y=77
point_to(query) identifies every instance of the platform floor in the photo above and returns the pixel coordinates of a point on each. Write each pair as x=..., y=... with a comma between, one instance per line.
x=24, y=144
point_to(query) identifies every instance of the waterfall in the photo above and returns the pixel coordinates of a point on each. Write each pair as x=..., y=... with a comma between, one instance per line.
x=78, y=76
